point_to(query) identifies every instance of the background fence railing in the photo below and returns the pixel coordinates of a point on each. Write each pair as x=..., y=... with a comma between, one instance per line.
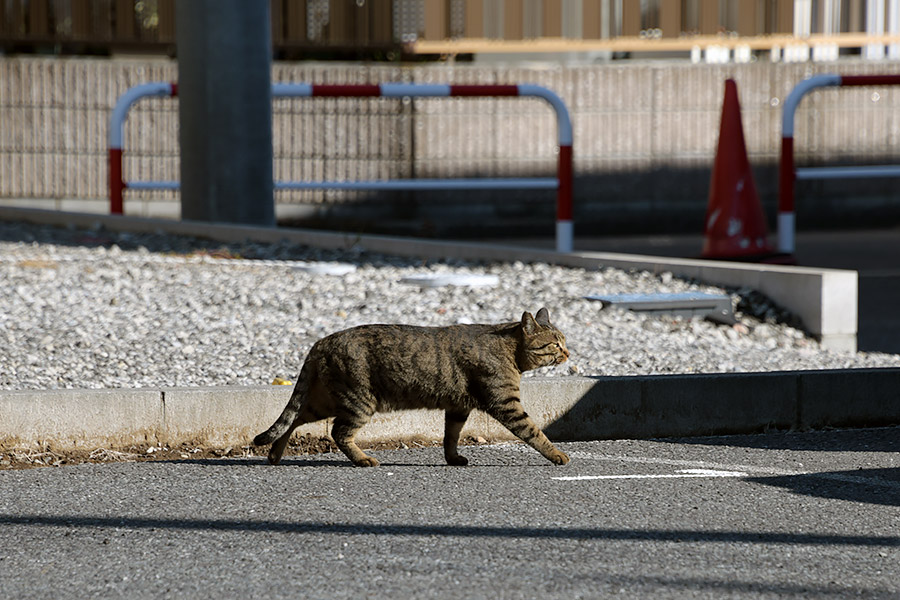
x=645, y=135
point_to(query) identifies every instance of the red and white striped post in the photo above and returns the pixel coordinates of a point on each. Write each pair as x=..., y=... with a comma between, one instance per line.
x=788, y=173
x=562, y=183
x=117, y=183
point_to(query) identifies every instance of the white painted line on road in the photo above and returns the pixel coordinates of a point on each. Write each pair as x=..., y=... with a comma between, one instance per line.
x=644, y=460
x=748, y=470
x=690, y=464
x=683, y=474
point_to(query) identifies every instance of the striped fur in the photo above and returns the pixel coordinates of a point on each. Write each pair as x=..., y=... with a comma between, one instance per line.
x=352, y=374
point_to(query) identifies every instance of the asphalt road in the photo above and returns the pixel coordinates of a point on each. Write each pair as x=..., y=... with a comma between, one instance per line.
x=874, y=254
x=800, y=515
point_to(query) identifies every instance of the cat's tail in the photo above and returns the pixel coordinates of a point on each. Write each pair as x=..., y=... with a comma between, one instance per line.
x=292, y=409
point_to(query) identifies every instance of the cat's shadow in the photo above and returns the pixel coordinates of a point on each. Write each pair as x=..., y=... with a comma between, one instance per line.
x=301, y=462
x=259, y=461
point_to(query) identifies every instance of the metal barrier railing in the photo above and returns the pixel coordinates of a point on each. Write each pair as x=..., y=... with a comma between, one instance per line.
x=788, y=173
x=562, y=183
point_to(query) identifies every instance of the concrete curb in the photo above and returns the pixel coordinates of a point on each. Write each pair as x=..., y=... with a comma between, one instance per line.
x=567, y=408
x=824, y=299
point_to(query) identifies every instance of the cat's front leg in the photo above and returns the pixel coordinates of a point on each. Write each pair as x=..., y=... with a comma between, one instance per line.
x=453, y=424
x=512, y=415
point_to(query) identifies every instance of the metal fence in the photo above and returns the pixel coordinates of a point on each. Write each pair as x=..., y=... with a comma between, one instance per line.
x=645, y=133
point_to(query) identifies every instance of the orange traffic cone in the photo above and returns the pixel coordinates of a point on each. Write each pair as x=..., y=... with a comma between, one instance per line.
x=735, y=223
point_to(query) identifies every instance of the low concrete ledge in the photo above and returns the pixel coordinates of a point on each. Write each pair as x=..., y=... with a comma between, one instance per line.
x=848, y=398
x=671, y=405
x=824, y=299
x=567, y=408
x=79, y=419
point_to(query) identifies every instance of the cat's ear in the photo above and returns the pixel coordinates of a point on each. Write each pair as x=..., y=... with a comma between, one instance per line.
x=543, y=318
x=528, y=324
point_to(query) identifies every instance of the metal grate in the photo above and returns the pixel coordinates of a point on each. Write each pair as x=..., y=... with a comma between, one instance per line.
x=715, y=307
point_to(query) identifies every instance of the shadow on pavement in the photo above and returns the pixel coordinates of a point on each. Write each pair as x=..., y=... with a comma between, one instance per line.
x=461, y=531
x=871, y=486
x=878, y=439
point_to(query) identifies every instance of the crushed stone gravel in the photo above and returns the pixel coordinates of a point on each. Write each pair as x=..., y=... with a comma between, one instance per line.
x=100, y=309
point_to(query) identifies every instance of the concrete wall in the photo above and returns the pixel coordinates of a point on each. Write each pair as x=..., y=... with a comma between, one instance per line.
x=645, y=137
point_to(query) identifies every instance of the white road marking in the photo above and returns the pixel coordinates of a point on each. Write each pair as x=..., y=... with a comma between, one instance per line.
x=689, y=464
x=682, y=474
x=747, y=470
x=642, y=460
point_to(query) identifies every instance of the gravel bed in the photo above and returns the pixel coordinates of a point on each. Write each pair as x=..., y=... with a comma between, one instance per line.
x=100, y=309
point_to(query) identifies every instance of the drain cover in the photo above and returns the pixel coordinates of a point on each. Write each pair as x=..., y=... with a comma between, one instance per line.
x=445, y=279
x=715, y=307
x=326, y=268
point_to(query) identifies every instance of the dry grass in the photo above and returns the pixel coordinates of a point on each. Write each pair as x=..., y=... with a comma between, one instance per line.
x=305, y=445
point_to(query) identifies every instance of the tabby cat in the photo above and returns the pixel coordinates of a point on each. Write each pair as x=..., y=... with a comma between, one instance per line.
x=351, y=374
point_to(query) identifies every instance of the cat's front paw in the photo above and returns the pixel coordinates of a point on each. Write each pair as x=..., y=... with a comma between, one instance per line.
x=558, y=458
x=367, y=461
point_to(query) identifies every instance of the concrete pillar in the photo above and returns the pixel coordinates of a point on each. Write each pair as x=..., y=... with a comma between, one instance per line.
x=225, y=110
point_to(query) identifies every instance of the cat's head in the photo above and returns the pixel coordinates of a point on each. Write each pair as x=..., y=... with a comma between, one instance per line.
x=542, y=343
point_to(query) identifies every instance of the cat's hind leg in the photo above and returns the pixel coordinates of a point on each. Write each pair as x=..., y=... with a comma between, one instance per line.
x=354, y=410
x=279, y=445
x=343, y=433
x=453, y=424
x=308, y=414
x=315, y=407
x=292, y=416
x=512, y=415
